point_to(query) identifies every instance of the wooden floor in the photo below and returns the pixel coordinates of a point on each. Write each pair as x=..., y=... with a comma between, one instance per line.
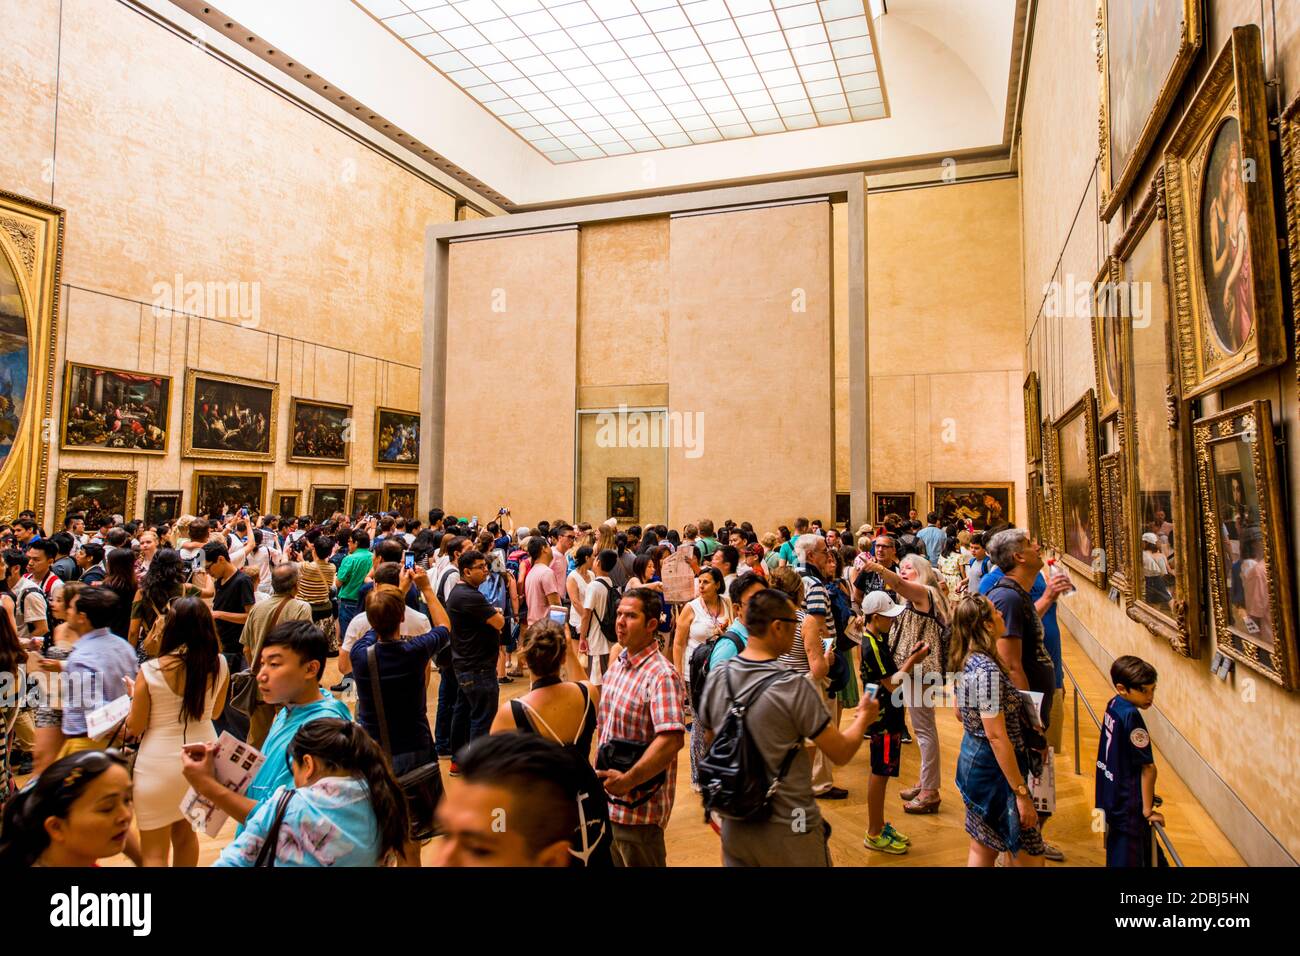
x=939, y=839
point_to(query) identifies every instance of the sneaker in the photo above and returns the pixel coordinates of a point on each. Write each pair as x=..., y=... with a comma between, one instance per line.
x=884, y=843
x=455, y=770
x=894, y=835
x=343, y=686
x=1053, y=853
x=834, y=793
x=906, y=738
x=505, y=680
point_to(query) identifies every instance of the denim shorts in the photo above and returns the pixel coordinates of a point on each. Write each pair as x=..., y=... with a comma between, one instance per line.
x=992, y=816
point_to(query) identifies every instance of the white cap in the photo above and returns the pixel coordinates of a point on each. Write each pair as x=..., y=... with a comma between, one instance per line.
x=1149, y=537
x=878, y=602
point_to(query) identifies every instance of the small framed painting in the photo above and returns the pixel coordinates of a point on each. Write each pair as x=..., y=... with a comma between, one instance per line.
x=397, y=438
x=287, y=503
x=1079, y=489
x=986, y=504
x=95, y=494
x=885, y=503
x=224, y=492
x=161, y=507
x=623, y=499
x=327, y=501
x=401, y=499
x=320, y=433
x=366, y=501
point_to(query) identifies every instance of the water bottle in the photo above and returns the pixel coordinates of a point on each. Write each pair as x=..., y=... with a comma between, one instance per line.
x=1055, y=570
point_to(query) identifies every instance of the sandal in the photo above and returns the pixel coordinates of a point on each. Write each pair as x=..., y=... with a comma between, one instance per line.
x=917, y=805
x=908, y=794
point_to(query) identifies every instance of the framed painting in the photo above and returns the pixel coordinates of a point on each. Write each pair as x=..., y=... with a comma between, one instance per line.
x=397, y=438
x=95, y=494
x=327, y=501
x=106, y=409
x=320, y=433
x=1033, y=412
x=1034, y=500
x=1290, y=136
x=1113, y=521
x=1163, y=570
x=161, y=507
x=366, y=501
x=401, y=499
x=287, y=504
x=229, y=417
x=1144, y=50
x=623, y=499
x=223, y=492
x=1227, y=291
x=1245, y=528
x=1078, y=492
x=31, y=259
x=1110, y=307
x=986, y=504
x=1048, y=533
x=891, y=502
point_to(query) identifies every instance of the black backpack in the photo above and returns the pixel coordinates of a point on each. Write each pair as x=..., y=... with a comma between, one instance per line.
x=608, y=616
x=698, y=665
x=733, y=775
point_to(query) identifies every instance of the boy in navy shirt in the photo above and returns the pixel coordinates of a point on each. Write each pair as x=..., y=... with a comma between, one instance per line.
x=1126, y=770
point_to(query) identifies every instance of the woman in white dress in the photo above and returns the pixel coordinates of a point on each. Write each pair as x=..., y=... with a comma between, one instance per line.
x=576, y=585
x=176, y=697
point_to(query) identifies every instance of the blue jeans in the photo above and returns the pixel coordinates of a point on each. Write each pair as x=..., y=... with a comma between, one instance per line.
x=476, y=706
x=448, y=693
x=347, y=611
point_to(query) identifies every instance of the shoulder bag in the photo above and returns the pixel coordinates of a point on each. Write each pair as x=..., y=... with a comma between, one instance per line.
x=423, y=785
x=243, y=685
x=270, y=846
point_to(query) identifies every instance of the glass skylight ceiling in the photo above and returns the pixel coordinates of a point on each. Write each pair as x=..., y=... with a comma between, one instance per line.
x=583, y=79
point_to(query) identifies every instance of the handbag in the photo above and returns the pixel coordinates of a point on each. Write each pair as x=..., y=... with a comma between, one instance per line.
x=243, y=685
x=422, y=786
x=622, y=755
x=270, y=846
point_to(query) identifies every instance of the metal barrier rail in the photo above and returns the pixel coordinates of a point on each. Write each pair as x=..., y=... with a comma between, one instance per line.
x=1160, y=833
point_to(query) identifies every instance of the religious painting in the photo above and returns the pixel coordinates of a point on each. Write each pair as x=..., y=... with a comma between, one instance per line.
x=95, y=494
x=327, y=501
x=225, y=492
x=319, y=432
x=366, y=501
x=1033, y=410
x=397, y=438
x=1246, y=545
x=984, y=504
x=31, y=254
x=105, y=409
x=623, y=499
x=1145, y=48
x=229, y=417
x=287, y=503
x=1078, y=489
x=1110, y=307
x=891, y=503
x=1111, y=473
x=1227, y=289
x=400, y=499
x=161, y=507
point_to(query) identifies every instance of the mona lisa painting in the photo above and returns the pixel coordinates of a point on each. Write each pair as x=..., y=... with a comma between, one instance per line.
x=1219, y=186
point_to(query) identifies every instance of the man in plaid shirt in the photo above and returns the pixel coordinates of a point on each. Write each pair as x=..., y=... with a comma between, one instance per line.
x=641, y=701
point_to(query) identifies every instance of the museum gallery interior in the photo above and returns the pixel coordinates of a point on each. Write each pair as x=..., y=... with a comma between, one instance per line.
x=658, y=261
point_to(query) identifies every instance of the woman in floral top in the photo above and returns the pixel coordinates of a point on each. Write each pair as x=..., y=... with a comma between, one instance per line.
x=992, y=771
x=345, y=808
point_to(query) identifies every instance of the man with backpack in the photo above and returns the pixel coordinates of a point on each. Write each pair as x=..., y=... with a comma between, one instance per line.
x=600, y=606
x=757, y=714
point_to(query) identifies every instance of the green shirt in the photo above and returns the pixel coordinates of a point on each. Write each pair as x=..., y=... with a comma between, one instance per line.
x=352, y=573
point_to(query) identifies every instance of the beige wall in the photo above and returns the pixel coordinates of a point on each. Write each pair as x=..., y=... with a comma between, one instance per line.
x=512, y=308
x=945, y=344
x=169, y=162
x=599, y=459
x=1227, y=738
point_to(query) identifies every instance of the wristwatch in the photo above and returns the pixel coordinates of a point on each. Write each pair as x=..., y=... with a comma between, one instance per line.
x=1021, y=790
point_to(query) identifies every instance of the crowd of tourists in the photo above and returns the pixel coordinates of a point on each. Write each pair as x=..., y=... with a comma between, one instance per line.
x=794, y=648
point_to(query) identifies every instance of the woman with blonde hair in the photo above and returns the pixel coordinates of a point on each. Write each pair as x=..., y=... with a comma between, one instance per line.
x=997, y=749
x=924, y=621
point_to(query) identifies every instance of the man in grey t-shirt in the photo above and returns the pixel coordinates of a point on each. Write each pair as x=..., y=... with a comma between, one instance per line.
x=785, y=713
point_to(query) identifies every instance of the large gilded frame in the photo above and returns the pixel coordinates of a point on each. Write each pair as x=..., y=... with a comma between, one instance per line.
x=1114, y=526
x=1033, y=415
x=69, y=368
x=1115, y=183
x=67, y=474
x=1182, y=630
x=1105, y=289
x=199, y=475
x=1290, y=136
x=1233, y=89
x=395, y=488
x=379, y=417
x=1049, y=534
x=31, y=241
x=294, y=404
x=1085, y=407
x=187, y=417
x=1280, y=664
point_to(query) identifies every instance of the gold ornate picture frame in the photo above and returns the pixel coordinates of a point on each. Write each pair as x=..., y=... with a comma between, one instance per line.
x=623, y=499
x=1289, y=134
x=1048, y=532
x=1033, y=414
x=279, y=498
x=987, y=503
x=326, y=500
x=1159, y=481
x=397, y=438
x=234, y=489
x=401, y=498
x=1109, y=310
x=95, y=493
x=320, y=433
x=1078, y=490
x=31, y=264
x=1246, y=546
x=139, y=423
x=366, y=501
x=888, y=502
x=1113, y=520
x=1219, y=184
x=241, y=424
x=161, y=506
x=1178, y=35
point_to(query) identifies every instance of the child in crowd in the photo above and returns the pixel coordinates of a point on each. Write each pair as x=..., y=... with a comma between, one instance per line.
x=1126, y=770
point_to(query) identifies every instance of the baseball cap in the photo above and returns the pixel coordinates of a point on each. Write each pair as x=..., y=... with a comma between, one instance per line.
x=878, y=602
x=1149, y=537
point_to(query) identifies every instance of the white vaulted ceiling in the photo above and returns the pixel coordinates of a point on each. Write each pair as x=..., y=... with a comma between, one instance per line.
x=543, y=102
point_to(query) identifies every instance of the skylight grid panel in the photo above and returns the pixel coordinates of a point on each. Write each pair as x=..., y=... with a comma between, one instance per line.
x=844, y=29
x=539, y=21
x=625, y=27
x=383, y=9
x=799, y=16
x=496, y=30
x=443, y=18
x=406, y=26
x=573, y=14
